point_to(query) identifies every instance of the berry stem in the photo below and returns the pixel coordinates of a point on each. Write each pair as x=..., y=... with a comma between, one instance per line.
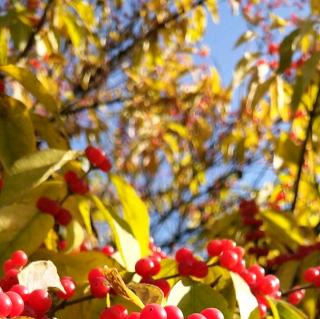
x=306, y=286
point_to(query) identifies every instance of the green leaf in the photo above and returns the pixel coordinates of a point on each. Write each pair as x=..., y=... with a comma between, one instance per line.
x=16, y=131
x=29, y=237
x=32, y=170
x=126, y=244
x=288, y=311
x=84, y=208
x=286, y=50
x=287, y=273
x=193, y=297
x=213, y=9
x=29, y=81
x=135, y=212
x=246, y=300
x=309, y=70
x=76, y=265
x=75, y=235
x=245, y=37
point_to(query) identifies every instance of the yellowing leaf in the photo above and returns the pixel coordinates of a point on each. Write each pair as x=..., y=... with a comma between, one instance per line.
x=41, y=274
x=75, y=235
x=135, y=212
x=16, y=131
x=147, y=293
x=29, y=81
x=84, y=208
x=213, y=9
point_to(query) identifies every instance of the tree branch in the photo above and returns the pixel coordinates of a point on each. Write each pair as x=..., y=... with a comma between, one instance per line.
x=36, y=30
x=303, y=150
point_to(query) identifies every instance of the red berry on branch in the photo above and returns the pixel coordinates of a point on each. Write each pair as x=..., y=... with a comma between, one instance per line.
x=40, y=301
x=311, y=274
x=144, y=267
x=17, y=304
x=153, y=311
x=99, y=287
x=69, y=286
x=196, y=316
x=5, y=305
x=214, y=248
x=173, y=312
x=108, y=250
x=199, y=269
x=94, y=273
x=98, y=159
x=163, y=285
x=7, y=265
x=21, y=290
x=228, y=259
x=63, y=217
x=183, y=254
x=185, y=267
x=296, y=296
x=212, y=313
x=268, y=285
x=48, y=205
x=19, y=258
x=114, y=312
x=134, y=315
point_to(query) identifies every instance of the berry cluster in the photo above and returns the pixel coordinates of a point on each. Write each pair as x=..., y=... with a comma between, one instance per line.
x=16, y=299
x=231, y=257
x=249, y=212
x=98, y=283
x=155, y=311
x=49, y=206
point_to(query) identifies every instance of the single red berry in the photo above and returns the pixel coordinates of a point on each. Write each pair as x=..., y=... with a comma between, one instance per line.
x=5, y=305
x=70, y=177
x=183, y=254
x=99, y=287
x=296, y=296
x=163, y=285
x=199, y=269
x=7, y=265
x=228, y=259
x=196, y=316
x=273, y=48
x=156, y=266
x=108, y=250
x=94, y=273
x=17, y=304
x=212, y=313
x=268, y=284
x=63, y=217
x=144, y=267
x=255, y=235
x=12, y=277
x=249, y=277
x=21, y=290
x=95, y=155
x=257, y=270
x=62, y=244
x=173, y=312
x=29, y=312
x=214, y=247
x=48, y=205
x=134, y=315
x=69, y=286
x=153, y=311
x=40, y=301
x=185, y=267
x=19, y=258
x=114, y=312
x=311, y=274
x=239, y=251
x=227, y=244
x=79, y=187
x=105, y=166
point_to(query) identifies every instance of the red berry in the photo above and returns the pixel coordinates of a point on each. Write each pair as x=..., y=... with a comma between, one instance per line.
x=239, y=251
x=69, y=286
x=214, y=247
x=2, y=86
x=196, y=316
x=173, y=312
x=311, y=274
x=273, y=48
x=40, y=301
x=95, y=155
x=63, y=217
x=257, y=270
x=262, y=310
x=153, y=311
x=17, y=304
x=106, y=165
x=227, y=244
x=108, y=250
x=296, y=296
x=5, y=305
x=199, y=269
x=185, y=267
x=19, y=258
x=22, y=291
x=7, y=265
x=156, y=266
x=99, y=287
x=255, y=235
x=134, y=315
x=183, y=254
x=144, y=267
x=94, y=273
x=212, y=313
x=1, y=179
x=114, y=312
x=249, y=277
x=62, y=244
x=268, y=284
x=228, y=259
x=163, y=285
x=48, y=205
x=71, y=177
